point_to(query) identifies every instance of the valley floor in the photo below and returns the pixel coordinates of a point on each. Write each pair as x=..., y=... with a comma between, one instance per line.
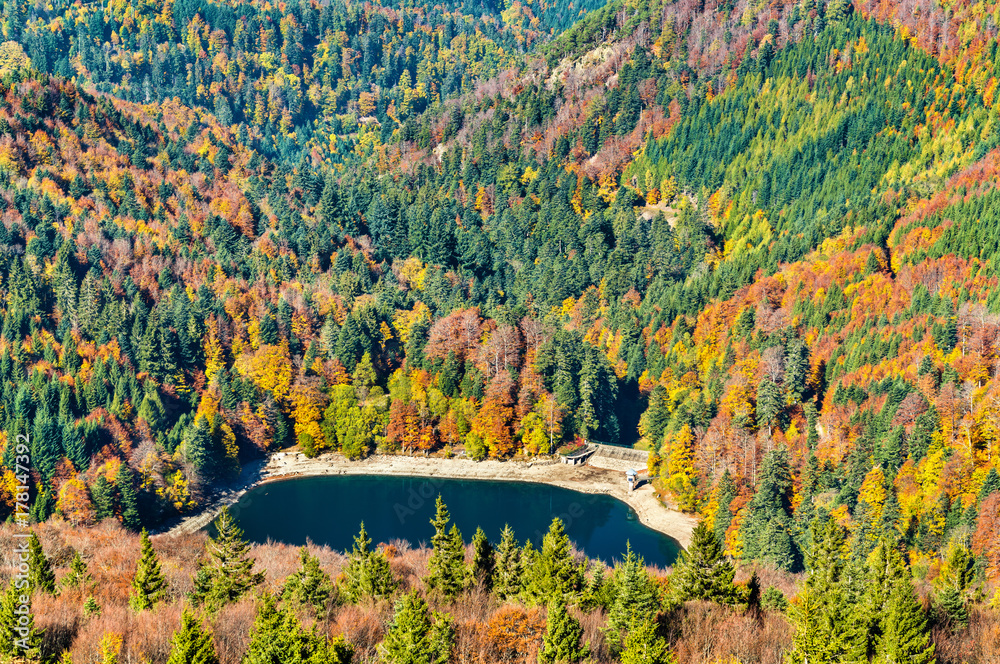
x=600, y=475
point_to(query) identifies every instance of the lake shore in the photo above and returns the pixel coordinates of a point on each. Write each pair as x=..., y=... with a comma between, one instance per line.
x=601, y=476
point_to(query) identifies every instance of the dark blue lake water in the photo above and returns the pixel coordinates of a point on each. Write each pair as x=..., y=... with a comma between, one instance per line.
x=329, y=510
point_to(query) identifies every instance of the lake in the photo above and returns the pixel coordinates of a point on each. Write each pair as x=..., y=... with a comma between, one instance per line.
x=328, y=510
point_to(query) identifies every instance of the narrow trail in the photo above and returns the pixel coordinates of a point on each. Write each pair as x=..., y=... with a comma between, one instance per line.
x=601, y=475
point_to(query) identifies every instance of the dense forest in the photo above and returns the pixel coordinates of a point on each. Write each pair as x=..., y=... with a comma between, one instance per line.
x=760, y=240
x=105, y=595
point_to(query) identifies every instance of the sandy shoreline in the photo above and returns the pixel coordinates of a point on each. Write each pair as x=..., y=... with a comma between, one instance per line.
x=601, y=476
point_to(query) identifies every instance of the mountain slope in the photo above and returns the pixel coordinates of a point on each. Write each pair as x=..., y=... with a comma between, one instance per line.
x=758, y=239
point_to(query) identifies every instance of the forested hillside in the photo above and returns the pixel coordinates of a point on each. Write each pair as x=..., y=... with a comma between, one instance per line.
x=757, y=239
x=294, y=78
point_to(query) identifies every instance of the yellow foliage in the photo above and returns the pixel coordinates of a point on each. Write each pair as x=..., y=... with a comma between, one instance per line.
x=12, y=56
x=680, y=469
x=307, y=411
x=111, y=645
x=386, y=333
x=269, y=368
x=414, y=272
x=209, y=405
x=403, y=320
x=214, y=360
x=567, y=306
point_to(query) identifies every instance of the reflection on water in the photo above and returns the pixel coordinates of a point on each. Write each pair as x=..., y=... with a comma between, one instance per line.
x=328, y=510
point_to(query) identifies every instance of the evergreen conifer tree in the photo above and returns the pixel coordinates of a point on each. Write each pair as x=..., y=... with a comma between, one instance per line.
x=227, y=573
x=442, y=637
x=446, y=567
x=599, y=591
x=767, y=530
x=703, y=572
x=277, y=637
x=309, y=586
x=553, y=572
x=367, y=573
x=990, y=485
x=773, y=600
x=769, y=403
x=412, y=637
x=951, y=601
x=636, y=596
x=41, y=578
x=91, y=608
x=723, y=516
x=129, y=500
x=563, y=633
x=78, y=575
x=884, y=572
x=18, y=636
x=483, y=562
x=148, y=584
x=826, y=631
x=905, y=639
x=192, y=644
x=643, y=644
x=104, y=499
x=507, y=580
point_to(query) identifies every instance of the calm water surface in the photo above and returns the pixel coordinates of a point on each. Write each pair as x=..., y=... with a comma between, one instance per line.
x=328, y=510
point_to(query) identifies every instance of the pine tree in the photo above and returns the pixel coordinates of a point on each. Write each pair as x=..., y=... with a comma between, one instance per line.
x=723, y=515
x=884, y=572
x=91, y=608
x=277, y=637
x=507, y=580
x=767, y=530
x=812, y=434
x=148, y=584
x=328, y=337
x=563, y=633
x=442, y=637
x=309, y=586
x=826, y=629
x=192, y=644
x=951, y=600
x=553, y=572
x=328, y=202
x=483, y=563
x=599, y=591
x=636, y=596
x=78, y=575
x=18, y=636
x=41, y=578
x=769, y=401
x=643, y=644
x=774, y=600
x=446, y=567
x=990, y=485
x=905, y=639
x=104, y=501
x=412, y=637
x=703, y=572
x=368, y=574
x=129, y=500
x=227, y=573
x=796, y=370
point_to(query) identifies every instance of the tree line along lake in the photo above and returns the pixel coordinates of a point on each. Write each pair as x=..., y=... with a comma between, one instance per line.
x=329, y=510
